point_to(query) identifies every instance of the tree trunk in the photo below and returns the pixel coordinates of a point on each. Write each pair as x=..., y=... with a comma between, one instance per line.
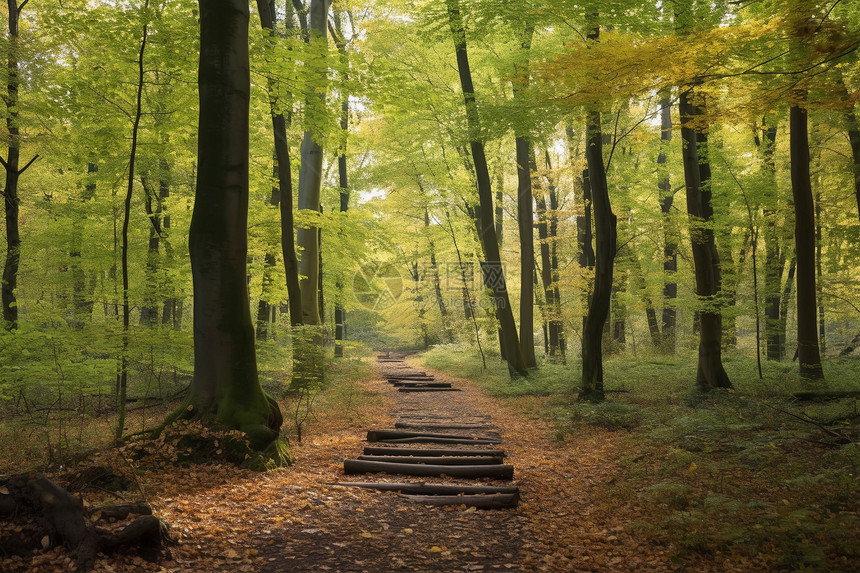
x=339, y=311
x=13, y=234
x=605, y=232
x=697, y=174
x=804, y=237
x=556, y=325
x=283, y=172
x=525, y=216
x=126, y=306
x=774, y=261
x=493, y=275
x=670, y=238
x=310, y=181
x=226, y=386
x=585, y=238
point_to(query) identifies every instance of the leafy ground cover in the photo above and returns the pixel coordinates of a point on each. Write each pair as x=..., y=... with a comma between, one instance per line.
x=650, y=481
x=749, y=472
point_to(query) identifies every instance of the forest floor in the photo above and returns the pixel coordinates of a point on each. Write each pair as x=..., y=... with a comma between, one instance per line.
x=294, y=519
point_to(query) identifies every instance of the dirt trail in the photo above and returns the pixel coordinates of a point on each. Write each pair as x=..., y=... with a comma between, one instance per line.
x=559, y=525
x=292, y=520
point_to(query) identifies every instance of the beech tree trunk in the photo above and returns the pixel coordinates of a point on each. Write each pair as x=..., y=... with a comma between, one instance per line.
x=697, y=177
x=774, y=244
x=605, y=223
x=310, y=183
x=494, y=278
x=804, y=237
x=670, y=238
x=226, y=386
x=525, y=217
x=343, y=182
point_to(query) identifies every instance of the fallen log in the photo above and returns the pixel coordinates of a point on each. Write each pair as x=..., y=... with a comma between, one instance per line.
x=388, y=435
x=428, y=390
x=392, y=451
x=498, y=471
x=63, y=516
x=432, y=489
x=437, y=460
x=491, y=501
x=825, y=396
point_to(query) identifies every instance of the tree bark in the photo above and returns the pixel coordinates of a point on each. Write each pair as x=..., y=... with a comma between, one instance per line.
x=310, y=182
x=774, y=261
x=493, y=274
x=670, y=239
x=804, y=237
x=697, y=174
x=343, y=183
x=525, y=215
x=226, y=385
x=605, y=223
x=11, y=202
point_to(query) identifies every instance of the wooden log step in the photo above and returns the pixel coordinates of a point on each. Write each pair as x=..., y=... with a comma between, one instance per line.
x=497, y=471
x=426, y=440
x=421, y=380
x=386, y=435
x=421, y=384
x=399, y=377
x=421, y=414
x=395, y=451
x=437, y=460
x=428, y=390
x=443, y=427
x=432, y=489
x=490, y=501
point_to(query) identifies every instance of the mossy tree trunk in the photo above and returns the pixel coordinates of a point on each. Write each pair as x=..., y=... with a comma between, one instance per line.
x=226, y=387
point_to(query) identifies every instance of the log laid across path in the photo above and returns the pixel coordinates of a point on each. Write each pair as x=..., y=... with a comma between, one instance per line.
x=393, y=451
x=424, y=419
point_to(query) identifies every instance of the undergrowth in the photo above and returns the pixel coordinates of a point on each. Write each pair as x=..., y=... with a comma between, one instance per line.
x=747, y=471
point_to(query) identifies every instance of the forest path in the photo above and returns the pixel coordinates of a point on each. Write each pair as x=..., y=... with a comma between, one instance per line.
x=559, y=525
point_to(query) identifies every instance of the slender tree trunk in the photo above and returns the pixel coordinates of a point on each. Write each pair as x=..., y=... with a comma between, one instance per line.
x=13, y=234
x=546, y=272
x=500, y=206
x=343, y=183
x=804, y=237
x=525, y=216
x=284, y=176
x=493, y=273
x=556, y=325
x=819, y=243
x=585, y=238
x=310, y=182
x=697, y=174
x=605, y=222
x=605, y=232
x=226, y=384
x=670, y=237
x=774, y=254
x=126, y=306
